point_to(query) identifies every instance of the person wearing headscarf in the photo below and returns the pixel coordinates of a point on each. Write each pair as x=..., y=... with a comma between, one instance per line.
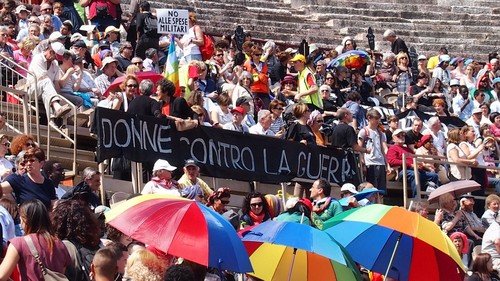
x=219, y=199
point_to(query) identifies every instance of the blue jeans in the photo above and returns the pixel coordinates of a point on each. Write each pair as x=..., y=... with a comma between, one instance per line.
x=189, y=58
x=424, y=178
x=494, y=182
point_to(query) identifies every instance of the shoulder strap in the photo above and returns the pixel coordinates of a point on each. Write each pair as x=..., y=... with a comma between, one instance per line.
x=31, y=246
x=34, y=252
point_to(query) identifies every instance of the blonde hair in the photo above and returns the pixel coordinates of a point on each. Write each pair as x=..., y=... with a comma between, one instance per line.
x=132, y=69
x=29, y=43
x=445, y=198
x=400, y=56
x=145, y=266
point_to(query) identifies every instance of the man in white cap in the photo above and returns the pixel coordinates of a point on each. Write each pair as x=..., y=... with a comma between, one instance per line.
x=347, y=189
x=162, y=182
x=109, y=67
x=22, y=17
x=475, y=121
x=46, y=69
x=441, y=72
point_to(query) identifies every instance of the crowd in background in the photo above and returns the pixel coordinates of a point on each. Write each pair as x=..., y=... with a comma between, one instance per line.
x=248, y=88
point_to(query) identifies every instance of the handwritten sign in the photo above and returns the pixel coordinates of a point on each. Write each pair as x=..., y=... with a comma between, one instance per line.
x=172, y=21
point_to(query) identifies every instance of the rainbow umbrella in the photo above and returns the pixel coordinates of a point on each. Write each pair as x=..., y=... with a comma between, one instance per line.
x=291, y=251
x=397, y=242
x=182, y=228
x=354, y=59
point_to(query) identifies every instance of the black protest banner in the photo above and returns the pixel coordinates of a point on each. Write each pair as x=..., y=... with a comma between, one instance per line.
x=221, y=153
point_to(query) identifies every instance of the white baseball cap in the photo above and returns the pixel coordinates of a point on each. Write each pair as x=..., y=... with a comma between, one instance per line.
x=349, y=187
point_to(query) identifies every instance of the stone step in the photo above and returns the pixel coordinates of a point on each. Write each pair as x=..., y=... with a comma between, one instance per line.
x=408, y=15
x=405, y=27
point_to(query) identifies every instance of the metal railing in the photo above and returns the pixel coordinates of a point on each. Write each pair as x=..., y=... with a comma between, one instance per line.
x=19, y=99
x=435, y=160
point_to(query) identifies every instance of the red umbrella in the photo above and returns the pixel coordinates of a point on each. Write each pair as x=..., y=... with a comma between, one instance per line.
x=455, y=188
x=151, y=75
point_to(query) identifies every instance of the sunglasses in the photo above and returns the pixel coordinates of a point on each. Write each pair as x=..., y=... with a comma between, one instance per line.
x=132, y=86
x=6, y=144
x=258, y=55
x=225, y=202
x=30, y=144
x=137, y=63
x=257, y=204
x=329, y=78
x=279, y=108
x=219, y=55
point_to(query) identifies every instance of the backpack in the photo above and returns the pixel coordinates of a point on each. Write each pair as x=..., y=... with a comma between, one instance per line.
x=151, y=26
x=207, y=50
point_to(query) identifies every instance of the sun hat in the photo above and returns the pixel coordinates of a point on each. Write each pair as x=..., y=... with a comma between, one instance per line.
x=161, y=164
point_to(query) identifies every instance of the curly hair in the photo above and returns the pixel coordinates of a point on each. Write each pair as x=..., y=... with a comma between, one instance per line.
x=19, y=142
x=166, y=86
x=245, y=209
x=73, y=221
x=145, y=266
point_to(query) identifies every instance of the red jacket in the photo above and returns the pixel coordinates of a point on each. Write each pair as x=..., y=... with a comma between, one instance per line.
x=395, y=155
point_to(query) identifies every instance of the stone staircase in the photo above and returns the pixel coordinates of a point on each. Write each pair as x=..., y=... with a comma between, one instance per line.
x=467, y=28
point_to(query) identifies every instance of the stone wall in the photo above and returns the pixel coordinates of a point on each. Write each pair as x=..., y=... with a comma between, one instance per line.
x=468, y=28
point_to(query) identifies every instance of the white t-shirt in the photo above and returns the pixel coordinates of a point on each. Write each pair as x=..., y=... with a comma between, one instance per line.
x=372, y=139
x=191, y=48
x=153, y=188
x=488, y=245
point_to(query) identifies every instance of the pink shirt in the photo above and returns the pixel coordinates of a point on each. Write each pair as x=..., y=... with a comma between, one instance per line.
x=23, y=61
x=29, y=269
x=495, y=130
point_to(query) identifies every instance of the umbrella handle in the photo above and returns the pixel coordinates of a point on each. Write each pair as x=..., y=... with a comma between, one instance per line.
x=392, y=257
x=291, y=265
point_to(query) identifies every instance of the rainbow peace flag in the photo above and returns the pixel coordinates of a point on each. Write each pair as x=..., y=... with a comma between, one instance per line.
x=172, y=67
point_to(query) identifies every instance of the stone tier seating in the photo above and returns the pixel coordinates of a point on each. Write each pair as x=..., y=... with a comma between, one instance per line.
x=467, y=28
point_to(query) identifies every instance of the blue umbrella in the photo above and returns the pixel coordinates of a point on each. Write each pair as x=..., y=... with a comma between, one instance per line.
x=361, y=195
x=293, y=251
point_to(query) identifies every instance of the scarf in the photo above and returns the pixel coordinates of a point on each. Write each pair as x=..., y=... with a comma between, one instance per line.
x=163, y=183
x=323, y=207
x=257, y=219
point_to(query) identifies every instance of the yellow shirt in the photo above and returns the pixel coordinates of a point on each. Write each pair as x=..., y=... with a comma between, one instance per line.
x=205, y=189
x=433, y=62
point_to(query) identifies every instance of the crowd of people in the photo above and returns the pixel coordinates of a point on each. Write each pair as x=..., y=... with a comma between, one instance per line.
x=245, y=87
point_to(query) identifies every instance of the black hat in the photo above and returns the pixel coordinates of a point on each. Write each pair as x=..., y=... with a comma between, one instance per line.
x=104, y=44
x=190, y=162
x=80, y=44
x=467, y=195
x=243, y=99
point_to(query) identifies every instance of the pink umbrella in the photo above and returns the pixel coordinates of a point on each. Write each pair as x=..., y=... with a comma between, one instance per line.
x=455, y=188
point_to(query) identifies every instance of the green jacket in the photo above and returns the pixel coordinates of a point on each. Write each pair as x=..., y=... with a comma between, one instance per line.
x=333, y=209
x=293, y=217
